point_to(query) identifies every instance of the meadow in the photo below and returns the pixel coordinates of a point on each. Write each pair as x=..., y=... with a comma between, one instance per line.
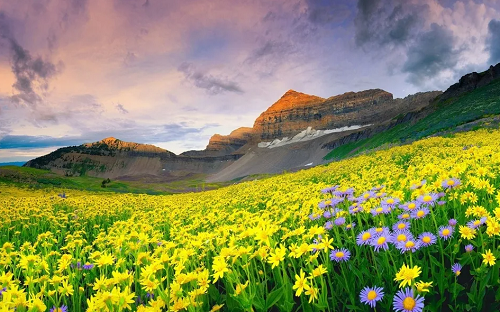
x=411, y=228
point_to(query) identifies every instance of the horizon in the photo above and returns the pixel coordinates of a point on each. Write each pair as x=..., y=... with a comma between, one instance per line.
x=174, y=74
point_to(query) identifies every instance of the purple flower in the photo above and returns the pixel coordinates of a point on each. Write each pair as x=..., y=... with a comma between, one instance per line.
x=340, y=221
x=328, y=225
x=314, y=216
x=381, y=231
x=402, y=236
x=377, y=188
x=441, y=202
x=419, y=185
x=401, y=225
x=3, y=290
x=474, y=224
x=354, y=209
x=350, y=226
x=405, y=301
x=381, y=241
x=410, y=206
x=452, y=222
x=63, y=308
x=88, y=266
x=370, y=295
x=339, y=255
x=441, y=194
x=364, y=237
x=409, y=245
x=445, y=232
x=327, y=214
x=404, y=216
x=456, y=268
x=450, y=183
x=390, y=202
x=420, y=212
x=427, y=239
x=469, y=248
x=429, y=199
x=330, y=189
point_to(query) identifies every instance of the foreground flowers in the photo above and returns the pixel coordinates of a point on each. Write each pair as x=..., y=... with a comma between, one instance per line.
x=370, y=295
x=405, y=301
x=406, y=275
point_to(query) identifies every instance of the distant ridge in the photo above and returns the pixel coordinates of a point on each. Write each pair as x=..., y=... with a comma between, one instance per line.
x=13, y=163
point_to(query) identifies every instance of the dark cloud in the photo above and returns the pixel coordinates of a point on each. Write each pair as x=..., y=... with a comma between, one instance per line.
x=271, y=49
x=430, y=54
x=213, y=85
x=391, y=22
x=493, y=41
x=32, y=74
x=327, y=11
x=121, y=109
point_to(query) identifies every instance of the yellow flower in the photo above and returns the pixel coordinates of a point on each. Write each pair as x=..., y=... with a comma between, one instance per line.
x=320, y=270
x=406, y=275
x=489, y=258
x=276, y=257
x=423, y=286
x=300, y=283
x=216, y=307
x=312, y=292
x=467, y=232
x=240, y=288
x=219, y=267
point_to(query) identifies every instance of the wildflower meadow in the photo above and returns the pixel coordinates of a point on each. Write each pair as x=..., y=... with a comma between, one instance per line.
x=412, y=228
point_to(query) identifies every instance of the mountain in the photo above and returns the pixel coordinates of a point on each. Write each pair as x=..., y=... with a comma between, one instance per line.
x=14, y=163
x=295, y=132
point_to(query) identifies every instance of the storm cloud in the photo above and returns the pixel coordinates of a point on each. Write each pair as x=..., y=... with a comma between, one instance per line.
x=493, y=41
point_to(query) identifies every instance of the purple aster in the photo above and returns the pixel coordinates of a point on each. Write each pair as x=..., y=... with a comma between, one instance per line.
x=452, y=222
x=441, y=202
x=355, y=209
x=381, y=231
x=370, y=295
x=381, y=241
x=410, y=206
x=445, y=232
x=427, y=239
x=368, y=195
x=401, y=225
x=330, y=189
x=377, y=188
x=328, y=225
x=469, y=248
x=88, y=266
x=340, y=221
x=450, y=183
x=428, y=199
x=314, y=216
x=405, y=301
x=410, y=245
x=404, y=216
x=377, y=210
x=380, y=195
x=402, y=236
x=339, y=255
x=483, y=220
x=390, y=202
x=3, y=290
x=420, y=213
x=456, y=268
x=327, y=214
x=441, y=194
x=350, y=226
x=364, y=237
x=474, y=224
x=63, y=308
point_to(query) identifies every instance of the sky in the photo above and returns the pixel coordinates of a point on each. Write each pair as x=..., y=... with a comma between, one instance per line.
x=173, y=73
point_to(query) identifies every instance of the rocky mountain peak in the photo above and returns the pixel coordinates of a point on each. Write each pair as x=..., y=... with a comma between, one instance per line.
x=293, y=99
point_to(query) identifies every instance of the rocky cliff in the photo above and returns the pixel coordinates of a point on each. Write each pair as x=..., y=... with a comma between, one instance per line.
x=219, y=145
x=471, y=82
x=296, y=111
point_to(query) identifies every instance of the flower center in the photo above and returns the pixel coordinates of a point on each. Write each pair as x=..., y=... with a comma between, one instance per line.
x=411, y=206
x=381, y=240
x=427, y=198
x=379, y=209
x=366, y=236
x=401, y=226
x=409, y=244
x=409, y=303
x=420, y=214
x=401, y=238
x=426, y=239
x=450, y=182
x=371, y=295
x=390, y=201
x=457, y=273
x=405, y=216
x=477, y=222
x=378, y=230
x=446, y=232
x=339, y=254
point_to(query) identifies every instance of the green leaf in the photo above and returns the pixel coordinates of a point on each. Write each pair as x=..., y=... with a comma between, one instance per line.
x=213, y=293
x=273, y=297
x=259, y=303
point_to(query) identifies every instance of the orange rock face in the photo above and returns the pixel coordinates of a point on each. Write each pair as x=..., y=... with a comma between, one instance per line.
x=231, y=142
x=115, y=144
x=296, y=111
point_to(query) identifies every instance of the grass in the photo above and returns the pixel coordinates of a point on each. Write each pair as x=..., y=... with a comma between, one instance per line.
x=454, y=112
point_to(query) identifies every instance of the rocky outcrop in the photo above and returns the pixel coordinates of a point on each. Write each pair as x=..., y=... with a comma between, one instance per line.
x=471, y=82
x=112, y=143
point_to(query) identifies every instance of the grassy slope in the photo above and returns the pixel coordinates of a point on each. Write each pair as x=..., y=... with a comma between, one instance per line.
x=477, y=104
x=39, y=179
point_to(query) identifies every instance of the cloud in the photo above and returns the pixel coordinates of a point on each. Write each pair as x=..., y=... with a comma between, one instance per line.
x=32, y=75
x=430, y=54
x=327, y=12
x=121, y=109
x=493, y=41
x=389, y=22
x=213, y=85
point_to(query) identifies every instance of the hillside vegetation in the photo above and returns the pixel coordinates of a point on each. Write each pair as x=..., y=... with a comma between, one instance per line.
x=415, y=226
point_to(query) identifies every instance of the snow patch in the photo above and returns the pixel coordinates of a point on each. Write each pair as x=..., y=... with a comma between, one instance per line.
x=306, y=135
